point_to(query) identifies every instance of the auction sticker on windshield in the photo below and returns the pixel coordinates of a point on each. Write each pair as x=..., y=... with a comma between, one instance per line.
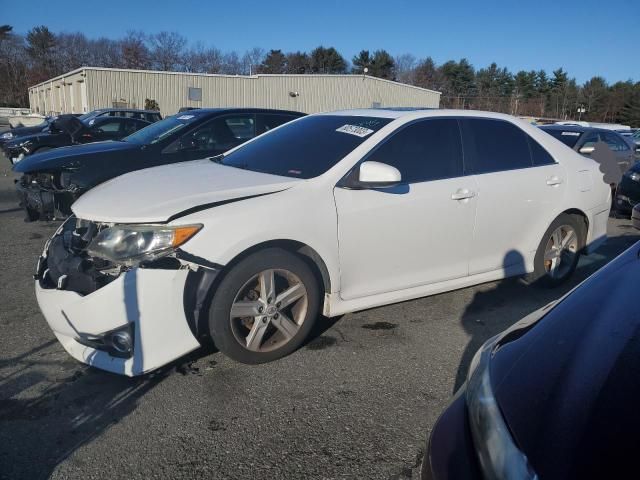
x=572, y=134
x=355, y=130
x=185, y=117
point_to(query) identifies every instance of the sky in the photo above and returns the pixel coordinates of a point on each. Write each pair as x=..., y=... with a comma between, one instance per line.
x=586, y=38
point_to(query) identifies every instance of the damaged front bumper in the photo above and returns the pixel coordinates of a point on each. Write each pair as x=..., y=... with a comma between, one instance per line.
x=40, y=200
x=128, y=322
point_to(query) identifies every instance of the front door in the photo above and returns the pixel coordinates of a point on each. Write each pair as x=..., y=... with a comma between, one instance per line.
x=418, y=232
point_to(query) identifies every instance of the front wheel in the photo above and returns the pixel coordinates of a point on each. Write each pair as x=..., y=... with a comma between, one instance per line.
x=559, y=251
x=265, y=307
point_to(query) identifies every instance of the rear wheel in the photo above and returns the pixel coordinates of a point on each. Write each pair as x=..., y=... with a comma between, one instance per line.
x=559, y=251
x=265, y=307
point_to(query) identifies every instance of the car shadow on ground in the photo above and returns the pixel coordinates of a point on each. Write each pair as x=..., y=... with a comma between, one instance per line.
x=45, y=417
x=485, y=317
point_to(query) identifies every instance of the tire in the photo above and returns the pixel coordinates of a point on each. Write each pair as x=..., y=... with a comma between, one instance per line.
x=553, y=267
x=280, y=329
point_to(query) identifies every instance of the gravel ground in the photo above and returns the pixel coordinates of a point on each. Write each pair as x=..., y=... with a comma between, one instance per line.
x=358, y=401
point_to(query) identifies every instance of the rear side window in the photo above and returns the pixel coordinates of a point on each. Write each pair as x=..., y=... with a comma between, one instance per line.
x=494, y=146
x=539, y=155
x=269, y=121
x=423, y=151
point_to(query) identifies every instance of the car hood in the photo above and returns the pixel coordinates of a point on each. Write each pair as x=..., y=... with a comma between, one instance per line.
x=55, y=159
x=159, y=194
x=568, y=387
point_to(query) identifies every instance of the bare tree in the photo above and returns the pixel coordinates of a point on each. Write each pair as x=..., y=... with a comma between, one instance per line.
x=405, y=68
x=167, y=50
x=252, y=59
x=135, y=53
x=200, y=59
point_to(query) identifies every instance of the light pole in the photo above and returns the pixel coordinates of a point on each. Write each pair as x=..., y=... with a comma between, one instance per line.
x=581, y=110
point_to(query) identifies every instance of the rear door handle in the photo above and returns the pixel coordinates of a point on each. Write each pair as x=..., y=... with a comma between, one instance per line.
x=462, y=194
x=553, y=181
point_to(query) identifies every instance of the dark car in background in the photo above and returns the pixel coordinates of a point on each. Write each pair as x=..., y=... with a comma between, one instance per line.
x=18, y=132
x=68, y=130
x=556, y=395
x=628, y=191
x=583, y=140
x=53, y=180
x=150, y=116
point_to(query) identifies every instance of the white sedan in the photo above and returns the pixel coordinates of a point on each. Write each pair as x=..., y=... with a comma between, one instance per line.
x=329, y=214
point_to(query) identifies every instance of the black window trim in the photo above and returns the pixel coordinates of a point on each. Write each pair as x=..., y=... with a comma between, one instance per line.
x=555, y=162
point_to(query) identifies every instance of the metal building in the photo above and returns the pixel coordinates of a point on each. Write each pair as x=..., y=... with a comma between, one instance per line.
x=88, y=88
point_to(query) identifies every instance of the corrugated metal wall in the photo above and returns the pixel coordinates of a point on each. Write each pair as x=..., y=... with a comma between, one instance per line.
x=59, y=95
x=304, y=93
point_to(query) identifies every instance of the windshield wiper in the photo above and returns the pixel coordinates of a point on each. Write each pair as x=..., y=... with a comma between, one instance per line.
x=217, y=158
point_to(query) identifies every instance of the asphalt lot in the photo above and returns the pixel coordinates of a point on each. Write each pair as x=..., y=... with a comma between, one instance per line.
x=356, y=402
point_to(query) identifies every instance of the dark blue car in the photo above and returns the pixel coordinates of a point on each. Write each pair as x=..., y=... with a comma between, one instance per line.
x=556, y=395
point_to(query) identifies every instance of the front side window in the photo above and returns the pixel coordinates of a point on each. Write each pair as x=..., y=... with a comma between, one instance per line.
x=269, y=121
x=108, y=127
x=494, y=145
x=220, y=134
x=163, y=129
x=590, y=139
x=424, y=150
x=305, y=148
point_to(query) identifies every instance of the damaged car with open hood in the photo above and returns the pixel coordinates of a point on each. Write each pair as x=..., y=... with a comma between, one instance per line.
x=328, y=214
x=68, y=130
x=53, y=180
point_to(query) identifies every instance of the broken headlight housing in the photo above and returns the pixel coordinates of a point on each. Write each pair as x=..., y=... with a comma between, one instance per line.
x=131, y=245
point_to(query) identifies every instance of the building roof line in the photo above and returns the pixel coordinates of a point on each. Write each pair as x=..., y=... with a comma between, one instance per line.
x=249, y=77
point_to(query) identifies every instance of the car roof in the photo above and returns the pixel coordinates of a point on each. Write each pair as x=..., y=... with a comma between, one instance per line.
x=205, y=111
x=99, y=120
x=100, y=110
x=574, y=128
x=419, y=112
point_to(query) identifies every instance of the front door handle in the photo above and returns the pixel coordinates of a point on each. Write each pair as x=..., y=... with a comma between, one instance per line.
x=554, y=181
x=462, y=194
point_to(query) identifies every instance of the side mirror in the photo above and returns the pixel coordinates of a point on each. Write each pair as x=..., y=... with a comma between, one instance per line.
x=587, y=150
x=378, y=175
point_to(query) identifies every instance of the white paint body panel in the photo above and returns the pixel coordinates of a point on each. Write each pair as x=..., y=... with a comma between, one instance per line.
x=150, y=299
x=378, y=246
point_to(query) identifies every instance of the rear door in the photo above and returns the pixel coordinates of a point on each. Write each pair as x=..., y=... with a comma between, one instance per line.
x=518, y=183
x=418, y=232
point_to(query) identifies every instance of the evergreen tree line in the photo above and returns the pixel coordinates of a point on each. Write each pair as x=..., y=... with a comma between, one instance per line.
x=26, y=60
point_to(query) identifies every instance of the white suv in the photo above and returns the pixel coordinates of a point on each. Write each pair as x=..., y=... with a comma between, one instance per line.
x=329, y=214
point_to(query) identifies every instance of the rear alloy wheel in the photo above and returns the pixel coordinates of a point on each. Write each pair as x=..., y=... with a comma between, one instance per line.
x=559, y=251
x=265, y=307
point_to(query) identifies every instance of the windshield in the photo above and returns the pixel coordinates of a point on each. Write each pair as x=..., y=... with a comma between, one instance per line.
x=158, y=131
x=567, y=137
x=307, y=147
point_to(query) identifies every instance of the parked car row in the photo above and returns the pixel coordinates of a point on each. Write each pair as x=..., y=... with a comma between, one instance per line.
x=242, y=226
x=52, y=181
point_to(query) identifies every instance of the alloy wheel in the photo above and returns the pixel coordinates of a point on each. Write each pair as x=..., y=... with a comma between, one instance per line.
x=560, y=251
x=268, y=310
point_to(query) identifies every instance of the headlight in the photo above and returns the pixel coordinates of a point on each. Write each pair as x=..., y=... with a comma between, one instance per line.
x=635, y=176
x=6, y=136
x=133, y=244
x=497, y=452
